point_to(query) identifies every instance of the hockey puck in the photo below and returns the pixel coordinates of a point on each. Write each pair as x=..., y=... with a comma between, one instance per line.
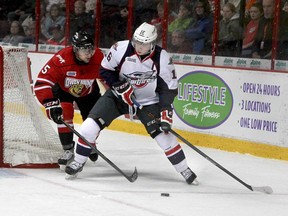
x=165, y=194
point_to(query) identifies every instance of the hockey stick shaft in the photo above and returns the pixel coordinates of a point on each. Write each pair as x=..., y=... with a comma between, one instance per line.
x=131, y=178
x=265, y=189
x=210, y=159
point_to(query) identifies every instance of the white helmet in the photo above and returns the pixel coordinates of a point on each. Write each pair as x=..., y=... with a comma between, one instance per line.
x=146, y=33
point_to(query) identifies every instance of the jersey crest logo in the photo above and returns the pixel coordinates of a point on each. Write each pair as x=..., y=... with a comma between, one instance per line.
x=141, y=79
x=76, y=90
x=76, y=86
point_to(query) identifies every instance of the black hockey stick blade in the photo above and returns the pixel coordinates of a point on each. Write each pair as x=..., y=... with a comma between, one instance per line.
x=134, y=176
x=131, y=178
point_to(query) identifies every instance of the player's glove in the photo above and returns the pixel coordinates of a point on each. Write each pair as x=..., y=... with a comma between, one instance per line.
x=166, y=119
x=53, y=109
x=124, y=90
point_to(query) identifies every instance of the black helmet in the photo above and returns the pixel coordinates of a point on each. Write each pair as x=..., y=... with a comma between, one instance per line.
x=82, y=40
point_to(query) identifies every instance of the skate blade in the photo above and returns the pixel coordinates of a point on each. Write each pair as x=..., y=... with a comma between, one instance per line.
x=62, y=167
x=70, y=177
x=195, y=182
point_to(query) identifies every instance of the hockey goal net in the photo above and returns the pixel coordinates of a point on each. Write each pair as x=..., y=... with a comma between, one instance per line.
x=27, y=139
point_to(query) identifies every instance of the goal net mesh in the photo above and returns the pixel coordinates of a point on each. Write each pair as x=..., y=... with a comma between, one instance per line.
x=28, y=136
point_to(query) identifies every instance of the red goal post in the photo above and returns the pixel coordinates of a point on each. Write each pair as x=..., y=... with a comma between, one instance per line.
x=27, y=139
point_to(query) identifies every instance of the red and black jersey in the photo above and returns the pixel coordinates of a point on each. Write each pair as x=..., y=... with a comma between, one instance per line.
x=65, y=70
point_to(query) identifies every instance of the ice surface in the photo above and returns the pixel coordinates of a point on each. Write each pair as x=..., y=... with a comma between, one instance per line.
x=101, y=190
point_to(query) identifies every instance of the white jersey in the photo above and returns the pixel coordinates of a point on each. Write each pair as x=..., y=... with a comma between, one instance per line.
x=150, y=78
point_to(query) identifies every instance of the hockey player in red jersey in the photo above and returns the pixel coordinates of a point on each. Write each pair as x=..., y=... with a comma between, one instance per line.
x=143, y=70
x=70, y=77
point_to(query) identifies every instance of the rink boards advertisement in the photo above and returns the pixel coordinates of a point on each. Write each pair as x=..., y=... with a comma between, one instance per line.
x=232, y=103
x=241, y=104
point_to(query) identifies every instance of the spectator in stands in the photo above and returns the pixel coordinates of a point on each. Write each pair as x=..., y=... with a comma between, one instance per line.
x=212, y=6
x=29, y=26
x=26, y=23
x=30, y=31
x=109, y=9
x=30, y=34
x=159, y=35
x=119, y=25
x=53, y=18
x=144, y=11
x=250, y=31
x=178, y=44
x=16, y=34
x=201, y=31
x=184, y=18
x=283, y=33
x=236, y=3
x=58, y=37
x=285, y=6
x=4, y=9
x=80, y=20
x=190, y=2
x=7, y=6
x=24, y=10
x=90, y=6
x=263, y=42
x=248, y=5
x=61, y=3
x=158, y=21
x=230, y=31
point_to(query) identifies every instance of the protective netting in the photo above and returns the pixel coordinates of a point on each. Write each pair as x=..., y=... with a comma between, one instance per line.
x=28, y=137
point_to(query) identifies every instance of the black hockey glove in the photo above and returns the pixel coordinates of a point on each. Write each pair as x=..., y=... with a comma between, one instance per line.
x=53, y=109
x=124, y=90
x=166, y=119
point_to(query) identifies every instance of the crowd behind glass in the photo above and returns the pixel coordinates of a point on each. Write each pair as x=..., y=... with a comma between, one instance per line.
x=235, y=28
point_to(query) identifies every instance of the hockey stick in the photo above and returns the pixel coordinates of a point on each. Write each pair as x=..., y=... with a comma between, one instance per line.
x=263, y=189
x=131, y=178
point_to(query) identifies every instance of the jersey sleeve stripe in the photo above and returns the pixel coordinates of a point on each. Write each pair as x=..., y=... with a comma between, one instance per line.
x=42, y=87
x=45, y=80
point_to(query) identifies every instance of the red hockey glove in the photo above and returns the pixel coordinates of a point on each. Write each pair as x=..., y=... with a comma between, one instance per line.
x=53, y=109
x=166, y=120
x=124, y=90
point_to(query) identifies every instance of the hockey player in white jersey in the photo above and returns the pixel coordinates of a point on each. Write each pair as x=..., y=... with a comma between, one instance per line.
x=144, y=71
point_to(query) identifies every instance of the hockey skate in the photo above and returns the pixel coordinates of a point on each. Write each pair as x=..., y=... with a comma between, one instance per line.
x=73, y=169
x=190, y=176
x=65, y=159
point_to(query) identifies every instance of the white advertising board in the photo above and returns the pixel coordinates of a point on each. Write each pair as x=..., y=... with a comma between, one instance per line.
x=258, y=110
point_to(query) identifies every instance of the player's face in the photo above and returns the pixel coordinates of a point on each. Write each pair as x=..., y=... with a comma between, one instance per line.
x=142, y=48
x=85, y=54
